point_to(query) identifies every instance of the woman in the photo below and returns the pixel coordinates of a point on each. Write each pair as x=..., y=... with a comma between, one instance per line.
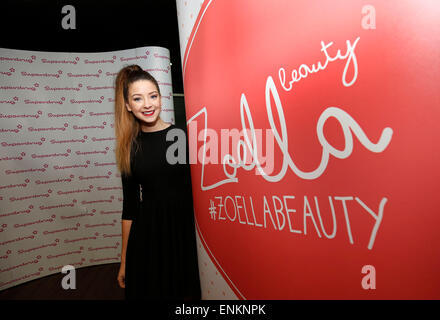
x=159, y=256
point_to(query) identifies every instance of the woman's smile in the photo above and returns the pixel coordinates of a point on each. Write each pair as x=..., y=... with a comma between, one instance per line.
x=148, y=113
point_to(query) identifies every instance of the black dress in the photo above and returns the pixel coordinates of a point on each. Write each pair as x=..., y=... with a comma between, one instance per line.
x=161, y=257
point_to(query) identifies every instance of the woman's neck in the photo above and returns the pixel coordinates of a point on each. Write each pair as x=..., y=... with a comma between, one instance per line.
x=158, y=125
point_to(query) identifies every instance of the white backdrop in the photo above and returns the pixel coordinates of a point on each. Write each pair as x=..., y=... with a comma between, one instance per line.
x=60, y=190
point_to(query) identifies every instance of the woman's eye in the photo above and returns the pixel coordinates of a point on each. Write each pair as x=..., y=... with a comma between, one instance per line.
x=137, y=99
x=154, y=97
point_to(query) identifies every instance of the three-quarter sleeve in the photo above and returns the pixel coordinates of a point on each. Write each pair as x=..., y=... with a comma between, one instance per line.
x=130, y=192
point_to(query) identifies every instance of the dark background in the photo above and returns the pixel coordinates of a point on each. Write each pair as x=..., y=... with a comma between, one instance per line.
x=100, y=26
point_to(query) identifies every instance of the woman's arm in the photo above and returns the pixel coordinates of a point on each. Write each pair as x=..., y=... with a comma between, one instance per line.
x=130, y=208
x=126, y=226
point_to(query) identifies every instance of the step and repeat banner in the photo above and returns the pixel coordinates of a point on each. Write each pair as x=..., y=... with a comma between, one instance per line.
x=60, y=190
x=313, y=138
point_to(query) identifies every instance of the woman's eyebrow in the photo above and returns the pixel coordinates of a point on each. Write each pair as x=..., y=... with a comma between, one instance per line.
x=136, y=93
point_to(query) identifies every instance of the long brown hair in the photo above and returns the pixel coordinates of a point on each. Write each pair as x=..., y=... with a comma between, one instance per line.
x=126, y=124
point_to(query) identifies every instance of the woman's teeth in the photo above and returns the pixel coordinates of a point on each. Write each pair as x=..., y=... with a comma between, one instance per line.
x=149, y=113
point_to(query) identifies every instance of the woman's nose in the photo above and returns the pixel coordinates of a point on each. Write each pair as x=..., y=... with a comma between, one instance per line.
x=148, y=103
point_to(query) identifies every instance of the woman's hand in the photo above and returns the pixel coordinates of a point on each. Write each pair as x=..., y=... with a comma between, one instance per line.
x=121, y=275
x=126, y=226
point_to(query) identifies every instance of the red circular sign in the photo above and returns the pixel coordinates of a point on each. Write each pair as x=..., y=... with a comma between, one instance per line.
x=345, y=99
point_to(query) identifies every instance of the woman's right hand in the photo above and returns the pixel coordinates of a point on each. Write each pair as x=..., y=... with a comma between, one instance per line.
x=126, y=226
x=121, y=275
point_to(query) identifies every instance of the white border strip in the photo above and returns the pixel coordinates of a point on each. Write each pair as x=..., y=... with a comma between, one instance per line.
x=217, y=263
x=192, y=40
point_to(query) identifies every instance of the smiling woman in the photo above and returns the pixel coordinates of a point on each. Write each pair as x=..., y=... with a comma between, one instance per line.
x=137, y=92
x=144, y=101
x=159, y=254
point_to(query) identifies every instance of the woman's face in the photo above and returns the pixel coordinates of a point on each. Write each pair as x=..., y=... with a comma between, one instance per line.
x=144, y=102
